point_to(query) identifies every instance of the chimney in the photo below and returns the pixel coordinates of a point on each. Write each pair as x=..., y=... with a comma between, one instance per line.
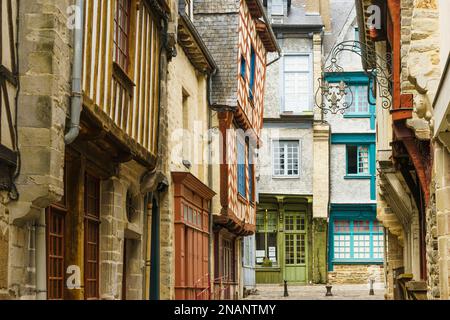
x=325, y=13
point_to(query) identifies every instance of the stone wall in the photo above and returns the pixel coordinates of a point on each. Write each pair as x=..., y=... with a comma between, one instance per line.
x=356, y=274
x=4, y=244
x=442, y=174
x=45, y=55
x=115, y=228
x=394, y=260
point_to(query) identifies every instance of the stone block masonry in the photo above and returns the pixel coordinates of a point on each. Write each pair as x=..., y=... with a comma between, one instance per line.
x=356, y=274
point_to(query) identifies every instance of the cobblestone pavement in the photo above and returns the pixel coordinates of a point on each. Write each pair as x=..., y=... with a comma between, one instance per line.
x=317, y=292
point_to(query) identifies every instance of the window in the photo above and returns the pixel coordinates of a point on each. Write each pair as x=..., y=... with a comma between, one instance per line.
x=228, y=260
x=360, y=99
x=359, y=240
x=92, y=236
x=121, y=33
x=295, y=238
x=277, y=7
x=241, y=168
x=251, y=173
x=252, y=73
x=192, y=216
x=357, y=160
x=357, y=46
x=243, y=67
x=297, y=83
x=286, y=158
x=55, y=253
x=266, y=237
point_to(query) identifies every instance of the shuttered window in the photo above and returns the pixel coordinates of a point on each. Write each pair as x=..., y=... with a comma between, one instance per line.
x=251, y=173
x=241, y=168
x=91, y=236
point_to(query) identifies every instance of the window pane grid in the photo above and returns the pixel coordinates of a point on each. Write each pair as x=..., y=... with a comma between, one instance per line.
x=360, y=102
x=286, y=158
x=297, y=83
x=359, y=240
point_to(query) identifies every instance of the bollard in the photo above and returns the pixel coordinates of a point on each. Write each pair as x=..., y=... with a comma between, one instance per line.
x=329, y=287
x=371, y=292
x=286, y=293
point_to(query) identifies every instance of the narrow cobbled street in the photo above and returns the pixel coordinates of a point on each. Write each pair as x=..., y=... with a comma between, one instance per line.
x=317, y=292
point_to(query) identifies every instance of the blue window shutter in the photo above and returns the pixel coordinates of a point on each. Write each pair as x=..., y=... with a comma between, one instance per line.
x=252, y=72
x=250, y=173
x=241, y=168
x=243, y=67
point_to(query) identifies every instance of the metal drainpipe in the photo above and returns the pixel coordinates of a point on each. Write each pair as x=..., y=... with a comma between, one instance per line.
x=76, y=100
x=210, y=182
x=40, y=256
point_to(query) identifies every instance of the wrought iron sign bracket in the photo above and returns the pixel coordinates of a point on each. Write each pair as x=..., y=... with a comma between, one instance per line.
x=336, y=98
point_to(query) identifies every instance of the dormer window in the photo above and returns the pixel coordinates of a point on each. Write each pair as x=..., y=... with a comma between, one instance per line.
x=277, y=8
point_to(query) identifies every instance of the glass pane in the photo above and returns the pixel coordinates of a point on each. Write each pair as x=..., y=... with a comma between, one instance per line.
x=352, y=159
x=363, y=160
x=277, y=7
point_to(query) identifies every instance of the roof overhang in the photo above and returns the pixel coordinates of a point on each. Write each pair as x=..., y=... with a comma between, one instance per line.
x=368, y=36
x=263, y=26
x=193, y=46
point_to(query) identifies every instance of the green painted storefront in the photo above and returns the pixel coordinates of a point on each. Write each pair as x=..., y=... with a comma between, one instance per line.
x=290, y=244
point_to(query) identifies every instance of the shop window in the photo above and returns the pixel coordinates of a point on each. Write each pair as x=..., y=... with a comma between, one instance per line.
x=357, y=241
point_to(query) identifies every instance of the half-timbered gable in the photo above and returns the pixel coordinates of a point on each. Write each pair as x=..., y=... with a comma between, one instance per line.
x=237, y=93
x=121, y=71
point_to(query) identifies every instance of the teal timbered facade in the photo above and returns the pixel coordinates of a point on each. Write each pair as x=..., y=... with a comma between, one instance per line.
x=355, y=237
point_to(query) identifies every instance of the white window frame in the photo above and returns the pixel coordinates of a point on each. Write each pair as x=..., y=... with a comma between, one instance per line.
x=310, y=81
x=277, y=5
x=285, y=176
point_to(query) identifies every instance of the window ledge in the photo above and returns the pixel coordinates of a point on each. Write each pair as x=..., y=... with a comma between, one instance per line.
x=285, y=177
x=357, y=115
x=357, y=177
x=352, y=261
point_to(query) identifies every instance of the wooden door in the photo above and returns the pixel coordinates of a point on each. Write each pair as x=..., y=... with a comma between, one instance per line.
x=295, y=247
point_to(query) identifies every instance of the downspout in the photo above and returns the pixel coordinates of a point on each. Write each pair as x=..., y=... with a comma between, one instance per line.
x=210, y=183
x=145, y=282
x=152, y=257
x=40, y=256
x=76, y=100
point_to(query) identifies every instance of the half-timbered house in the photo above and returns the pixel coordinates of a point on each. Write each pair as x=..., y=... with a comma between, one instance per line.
x=186, y=235
x=405, y=200
x=239, y=37
x=102, y=224
x=9, y=83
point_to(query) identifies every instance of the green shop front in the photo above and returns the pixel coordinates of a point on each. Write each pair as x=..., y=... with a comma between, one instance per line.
x=287, y=237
